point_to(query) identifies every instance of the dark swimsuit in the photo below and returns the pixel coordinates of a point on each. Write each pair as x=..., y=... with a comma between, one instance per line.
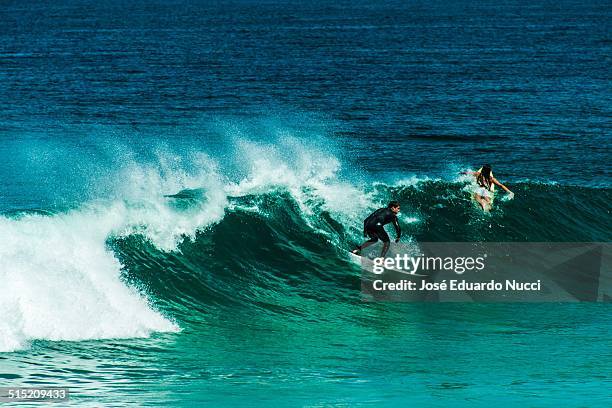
x=374, y=225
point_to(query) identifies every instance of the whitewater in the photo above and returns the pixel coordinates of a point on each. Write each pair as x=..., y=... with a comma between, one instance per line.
x=63, y=282
x=62, y=279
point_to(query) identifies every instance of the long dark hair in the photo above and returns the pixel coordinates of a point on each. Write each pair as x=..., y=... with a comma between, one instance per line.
x=484, y=179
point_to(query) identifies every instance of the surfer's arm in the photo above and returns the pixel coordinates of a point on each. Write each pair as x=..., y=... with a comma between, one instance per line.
x=506, y=189
x=398, y=230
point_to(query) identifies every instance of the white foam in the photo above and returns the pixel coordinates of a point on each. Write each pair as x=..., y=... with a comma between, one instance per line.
x=61, y=283
x=59, y=280
x=310, y=175
x=413, y=181
x=145, y=210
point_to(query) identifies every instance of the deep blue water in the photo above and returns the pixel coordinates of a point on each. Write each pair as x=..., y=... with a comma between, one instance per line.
x=282, y=125
x=408, y=85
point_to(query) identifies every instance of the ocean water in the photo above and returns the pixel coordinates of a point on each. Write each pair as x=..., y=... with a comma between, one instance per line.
x=181, y=181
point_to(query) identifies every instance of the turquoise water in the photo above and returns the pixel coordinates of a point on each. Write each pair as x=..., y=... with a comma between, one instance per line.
x=435, y=355
x=181, y=181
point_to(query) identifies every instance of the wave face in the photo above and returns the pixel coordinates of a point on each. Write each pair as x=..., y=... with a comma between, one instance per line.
x=182, y=236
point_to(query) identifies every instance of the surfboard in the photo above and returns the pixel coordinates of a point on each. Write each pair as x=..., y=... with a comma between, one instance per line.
x=368, y=264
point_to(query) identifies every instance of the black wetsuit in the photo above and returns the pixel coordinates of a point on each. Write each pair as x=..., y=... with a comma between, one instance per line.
x=373, y=226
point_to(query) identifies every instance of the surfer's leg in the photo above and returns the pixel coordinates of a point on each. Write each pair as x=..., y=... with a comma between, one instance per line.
x=373, y=239
x=488, y=203
x=363, y=246
x=482, y=201
x=385, y=248
x=384, y=237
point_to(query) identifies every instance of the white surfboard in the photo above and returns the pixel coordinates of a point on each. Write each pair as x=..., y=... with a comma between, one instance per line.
x=368, y=264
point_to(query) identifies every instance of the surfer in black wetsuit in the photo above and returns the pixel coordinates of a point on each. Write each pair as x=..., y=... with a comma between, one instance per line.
x=373, y=227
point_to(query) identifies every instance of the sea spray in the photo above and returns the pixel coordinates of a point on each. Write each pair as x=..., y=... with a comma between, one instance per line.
x=61, y=283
